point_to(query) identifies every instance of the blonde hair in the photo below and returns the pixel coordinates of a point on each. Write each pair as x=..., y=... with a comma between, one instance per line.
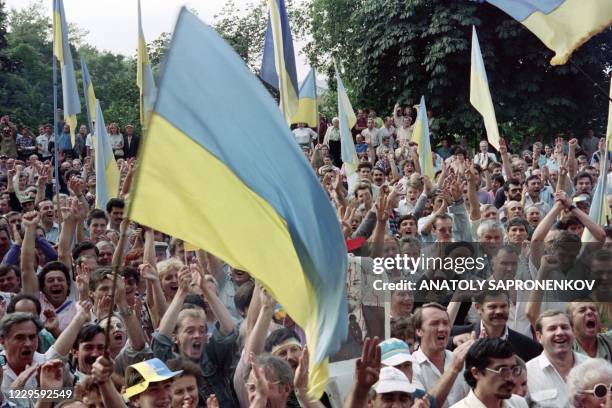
x=192, y=312
x=166, y=266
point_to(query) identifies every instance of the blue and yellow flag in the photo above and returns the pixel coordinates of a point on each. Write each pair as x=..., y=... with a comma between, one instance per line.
x=61, y=51
x=90, y=95
x=480, y=96
x=257, y=206
x=107, y=173
x=420, y=135
x=600, y=211
x=278, y=65
x=347, y=118
x=144, y=77
x=307, y=111
x=562, y=25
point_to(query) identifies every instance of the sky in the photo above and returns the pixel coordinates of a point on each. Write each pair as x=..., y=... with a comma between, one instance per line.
x=113, y=24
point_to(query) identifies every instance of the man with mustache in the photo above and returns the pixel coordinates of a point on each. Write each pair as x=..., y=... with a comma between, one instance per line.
x=547, y=373
x=491, y=371
x=493, y=309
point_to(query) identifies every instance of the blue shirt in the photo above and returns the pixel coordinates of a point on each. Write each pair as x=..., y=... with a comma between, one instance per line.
x=64, y=142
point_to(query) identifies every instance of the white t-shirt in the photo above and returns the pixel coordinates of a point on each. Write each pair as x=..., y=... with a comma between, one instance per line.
x=116, y=141
x=42, y=142
x=304, y=135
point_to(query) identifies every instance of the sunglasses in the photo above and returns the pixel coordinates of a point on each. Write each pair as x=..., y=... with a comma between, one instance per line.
x=599, y=390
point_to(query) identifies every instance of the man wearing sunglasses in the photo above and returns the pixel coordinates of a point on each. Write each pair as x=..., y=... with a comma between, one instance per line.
x=491, y=371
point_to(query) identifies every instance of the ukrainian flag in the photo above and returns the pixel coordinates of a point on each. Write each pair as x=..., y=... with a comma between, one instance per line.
x=107, y=173
x=562, y=25
x=600, y=211
x=90, y=95
x=207, y=179
x=61, y=51
x=347, y=118
x=278, y=65
x=307, y=110
x=420, y=135
x=480, y=96
x=144, y=76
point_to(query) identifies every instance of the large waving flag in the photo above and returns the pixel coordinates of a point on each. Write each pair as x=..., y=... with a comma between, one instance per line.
x=600, y=211
x=90, y=95
x=107, y=173
x=480, y=96
x=562, y=25
x=61, y=51
x=307, y=111
x=278, y=65
x=347, y=118
x=260, y=207
x=420, y=135
x=144, y=76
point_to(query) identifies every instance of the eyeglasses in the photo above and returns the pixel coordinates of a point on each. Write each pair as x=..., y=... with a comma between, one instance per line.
x=599, y=390
x=506, y=372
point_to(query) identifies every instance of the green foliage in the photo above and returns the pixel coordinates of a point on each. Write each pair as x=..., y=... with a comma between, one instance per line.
x=398, y=50
x=26, y=61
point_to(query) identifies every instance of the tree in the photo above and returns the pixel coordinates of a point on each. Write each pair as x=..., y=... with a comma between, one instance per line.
x=394, y=50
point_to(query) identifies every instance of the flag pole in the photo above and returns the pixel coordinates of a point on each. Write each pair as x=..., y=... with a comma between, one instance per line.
x=86, y=94
x=56, y=140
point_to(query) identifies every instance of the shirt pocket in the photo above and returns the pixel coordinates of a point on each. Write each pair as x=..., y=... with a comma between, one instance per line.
x=545, y=398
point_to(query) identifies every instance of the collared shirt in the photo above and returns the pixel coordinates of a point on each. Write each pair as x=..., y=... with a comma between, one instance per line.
x=53, y=234
x=472, y=401
x=372, y=136
x=604, y=346
x=547, y=387
x=428, y=374
x=332, y=135
x=304, y=136
x=484, y=334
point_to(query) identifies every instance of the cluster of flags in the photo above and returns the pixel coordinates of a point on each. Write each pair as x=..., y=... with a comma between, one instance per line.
x=107, y=175
x=274, y=220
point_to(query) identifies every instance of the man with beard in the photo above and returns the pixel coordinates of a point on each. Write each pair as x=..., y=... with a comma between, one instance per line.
x=546, y=374
x=493, y=309
x=491, y=371
x=587, y=330
x=185, y=330
x=511, y=192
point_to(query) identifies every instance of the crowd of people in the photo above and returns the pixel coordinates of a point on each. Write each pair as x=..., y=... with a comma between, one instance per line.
x=187, y=330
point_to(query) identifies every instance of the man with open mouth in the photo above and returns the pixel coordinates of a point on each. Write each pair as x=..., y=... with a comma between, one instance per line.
x=547, y=373
x=586, y=323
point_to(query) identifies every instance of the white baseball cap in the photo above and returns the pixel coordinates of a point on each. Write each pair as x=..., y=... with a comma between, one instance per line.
x=393, y=380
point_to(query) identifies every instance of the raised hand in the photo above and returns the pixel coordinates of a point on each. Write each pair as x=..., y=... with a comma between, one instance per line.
x=31, y=219
x=300, y=382
x=382, y=215
x=102, y=369
x=51, y=375
x=261, y=383
x=147, y=272
x=83, y=275
x=367, y=367
x=185, y=278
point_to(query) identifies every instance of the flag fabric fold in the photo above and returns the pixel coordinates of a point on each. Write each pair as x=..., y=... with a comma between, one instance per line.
x=144, y=76
x=107, y=173
x=278, y=64
x=600, y=211
x=307, y=110
x=347, y=118
x=61, y=51
x=562, y=25
x=90, y=95
x=258, y=207
x=420, y=135
x=480, y=96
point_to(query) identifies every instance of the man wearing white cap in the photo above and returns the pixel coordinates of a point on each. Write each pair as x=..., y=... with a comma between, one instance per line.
x=395, y=353
x=149, y=384
x=391, y=386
